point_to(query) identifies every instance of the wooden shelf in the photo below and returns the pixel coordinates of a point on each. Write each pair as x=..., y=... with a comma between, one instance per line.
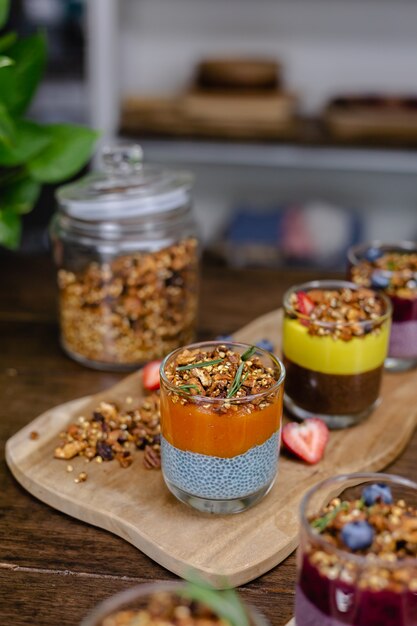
x=291, y=155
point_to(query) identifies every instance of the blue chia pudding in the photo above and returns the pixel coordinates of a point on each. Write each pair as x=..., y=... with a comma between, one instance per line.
x=221, y=478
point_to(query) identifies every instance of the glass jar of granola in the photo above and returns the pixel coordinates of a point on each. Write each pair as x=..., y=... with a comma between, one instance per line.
x=125, y=244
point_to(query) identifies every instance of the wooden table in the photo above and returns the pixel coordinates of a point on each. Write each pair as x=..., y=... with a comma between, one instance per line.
x=53, y=569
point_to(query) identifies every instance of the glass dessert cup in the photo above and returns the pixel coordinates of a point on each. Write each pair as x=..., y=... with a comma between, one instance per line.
x=333, y=368
x=367, y=267
x=139, y=597
x=336, y=587
x=220, y=454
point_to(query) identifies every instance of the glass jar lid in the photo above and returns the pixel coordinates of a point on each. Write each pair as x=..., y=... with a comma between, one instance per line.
x=125, y=188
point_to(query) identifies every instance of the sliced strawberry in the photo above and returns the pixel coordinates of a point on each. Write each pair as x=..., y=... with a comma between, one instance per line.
x=150, y=375
x=306, y=440
x=304, y=304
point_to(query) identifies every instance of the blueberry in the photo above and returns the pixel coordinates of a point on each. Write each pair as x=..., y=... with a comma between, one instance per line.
x=378, y=492
x=224, y=338
x=357, y=535
x=265, y=344
x=372, y=254
x=379, y=280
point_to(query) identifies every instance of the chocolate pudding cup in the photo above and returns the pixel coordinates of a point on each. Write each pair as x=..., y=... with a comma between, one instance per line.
x=334, y=366
x=338, y=587
x=369, y=267
x=220, y=436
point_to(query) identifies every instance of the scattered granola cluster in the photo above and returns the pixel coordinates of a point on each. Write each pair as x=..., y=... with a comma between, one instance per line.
x=111, y=433
x=373, y=526
x=340, y=313
x=134, y=309
x=219, y=373
x=166, y=609
x=395, y=272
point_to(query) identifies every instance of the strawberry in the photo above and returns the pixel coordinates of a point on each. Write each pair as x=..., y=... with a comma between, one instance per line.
x=150, y=375
x=306, y=440
x=304, y=304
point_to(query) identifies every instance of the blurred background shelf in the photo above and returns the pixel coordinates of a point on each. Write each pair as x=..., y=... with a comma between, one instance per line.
x=281, y=155
x=104, y=52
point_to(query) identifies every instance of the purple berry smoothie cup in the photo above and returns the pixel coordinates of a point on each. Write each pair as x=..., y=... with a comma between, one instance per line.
x=367, y=269
x=337, y=587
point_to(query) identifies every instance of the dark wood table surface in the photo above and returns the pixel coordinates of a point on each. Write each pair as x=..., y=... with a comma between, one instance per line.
x=54, y=569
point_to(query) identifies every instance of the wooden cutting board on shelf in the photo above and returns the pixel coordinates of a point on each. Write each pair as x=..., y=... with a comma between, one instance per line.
x=135, y=504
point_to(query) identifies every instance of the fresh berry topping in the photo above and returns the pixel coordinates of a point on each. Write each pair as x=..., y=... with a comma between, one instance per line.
x=265, y=344
x=378, y=492
x=306, y=440
x=379, y=280
x=357, y=535
x=304, y=304
x=372, y=254
x=150, y=375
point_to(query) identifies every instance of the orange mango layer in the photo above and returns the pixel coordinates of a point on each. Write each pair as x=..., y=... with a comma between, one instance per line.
x=192, y=428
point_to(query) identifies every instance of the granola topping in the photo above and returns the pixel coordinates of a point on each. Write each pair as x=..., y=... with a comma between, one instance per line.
x=339, y=313
x=395, y=272
x=111, y=433
x=133, y=309
x=166, y=609
x=220, y=373
x=382, y=530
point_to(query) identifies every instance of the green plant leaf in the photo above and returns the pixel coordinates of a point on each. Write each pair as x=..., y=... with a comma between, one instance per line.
x=69, y=150
x=4, y=11
x=225, y=604
x=10, y=228
x=19, y=82
x=6, y=41
x=28, y=140
x=7, y=129
x=5, y=61
x=20, y=196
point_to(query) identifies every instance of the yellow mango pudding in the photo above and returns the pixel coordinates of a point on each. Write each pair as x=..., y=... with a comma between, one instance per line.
x=221, y=412
x=335, y=341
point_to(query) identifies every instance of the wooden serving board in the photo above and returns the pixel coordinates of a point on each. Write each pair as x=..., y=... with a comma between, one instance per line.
x=135, y=504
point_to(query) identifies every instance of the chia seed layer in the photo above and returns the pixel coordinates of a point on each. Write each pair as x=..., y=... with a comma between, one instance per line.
x=403, y=340
x=219, y=478
x=321, y=601
x=331, y=394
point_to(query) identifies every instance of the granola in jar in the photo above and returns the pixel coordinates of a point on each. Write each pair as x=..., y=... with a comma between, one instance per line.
x=358, y=556
x=221, y=411
x=335, y=340
x=133, y=309
x=127, y=253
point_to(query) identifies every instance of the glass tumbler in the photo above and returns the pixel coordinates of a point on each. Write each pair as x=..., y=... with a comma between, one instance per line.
x=392, y=268
x=336, y=587
x=115, y=611
x=220, y=455
x=334, y=369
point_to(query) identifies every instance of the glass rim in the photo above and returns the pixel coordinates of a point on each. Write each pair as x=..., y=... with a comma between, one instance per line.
x=336, y=283
x=403, y=245
x=215, y=401
x=116, y=601
x=345, y=481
